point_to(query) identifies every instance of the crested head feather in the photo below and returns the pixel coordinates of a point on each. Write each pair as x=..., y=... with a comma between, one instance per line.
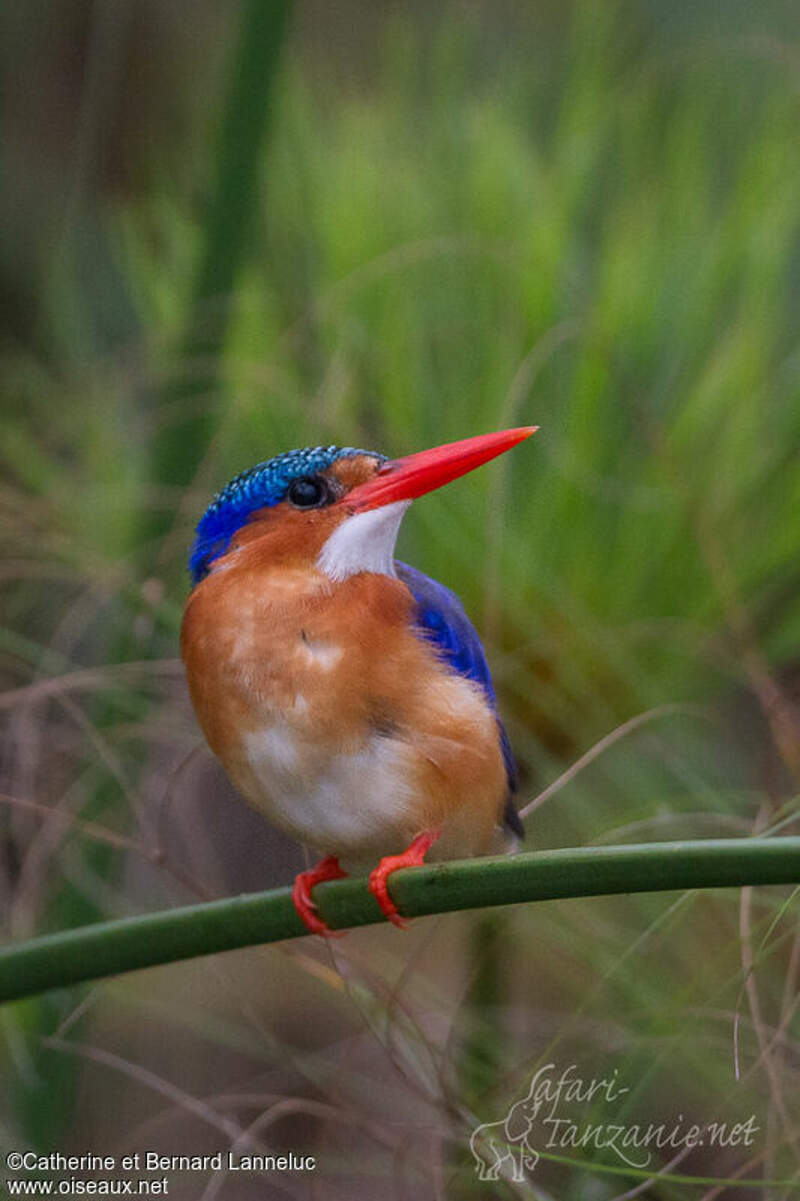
x=259, y=487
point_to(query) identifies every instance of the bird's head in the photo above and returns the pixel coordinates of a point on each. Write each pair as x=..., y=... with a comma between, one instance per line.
x=336, y=506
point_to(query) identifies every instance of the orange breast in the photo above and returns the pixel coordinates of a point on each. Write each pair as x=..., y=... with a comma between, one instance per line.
x=332, y=716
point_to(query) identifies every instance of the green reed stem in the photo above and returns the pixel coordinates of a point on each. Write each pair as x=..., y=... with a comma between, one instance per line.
x=108, y=948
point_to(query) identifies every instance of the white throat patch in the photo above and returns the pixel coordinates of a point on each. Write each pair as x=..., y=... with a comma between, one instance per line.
x=363, y=542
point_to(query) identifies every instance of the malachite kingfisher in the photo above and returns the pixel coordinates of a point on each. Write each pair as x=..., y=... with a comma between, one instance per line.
x=346, y=694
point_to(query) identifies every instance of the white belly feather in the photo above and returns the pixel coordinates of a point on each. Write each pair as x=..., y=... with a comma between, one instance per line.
x=346, y=801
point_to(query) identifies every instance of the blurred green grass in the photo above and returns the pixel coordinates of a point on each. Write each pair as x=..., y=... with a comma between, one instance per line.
x=594, y=230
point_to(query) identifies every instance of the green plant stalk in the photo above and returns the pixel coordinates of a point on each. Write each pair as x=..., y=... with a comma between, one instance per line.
x=180, y=443
x=232, y=207
x=108, y=948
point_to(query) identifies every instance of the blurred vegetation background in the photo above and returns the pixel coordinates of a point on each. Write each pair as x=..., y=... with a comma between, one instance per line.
x=231, y=229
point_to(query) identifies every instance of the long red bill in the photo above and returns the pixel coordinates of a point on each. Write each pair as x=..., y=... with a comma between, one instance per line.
x=414, y=475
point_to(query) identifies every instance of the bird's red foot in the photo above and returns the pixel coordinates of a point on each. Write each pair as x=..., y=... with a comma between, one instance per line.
x=326, y=869
x=413, y=856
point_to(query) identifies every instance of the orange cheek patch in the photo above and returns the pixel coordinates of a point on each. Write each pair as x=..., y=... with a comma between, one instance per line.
x=282, y=535
x=259, y=522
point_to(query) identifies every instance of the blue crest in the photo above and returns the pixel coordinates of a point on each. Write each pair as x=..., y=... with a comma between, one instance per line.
x=259, y=487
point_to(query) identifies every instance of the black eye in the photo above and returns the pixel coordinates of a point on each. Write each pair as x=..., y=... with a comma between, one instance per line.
x=308, y=492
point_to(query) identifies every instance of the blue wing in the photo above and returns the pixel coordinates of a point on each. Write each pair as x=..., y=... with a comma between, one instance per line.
x=441, y=618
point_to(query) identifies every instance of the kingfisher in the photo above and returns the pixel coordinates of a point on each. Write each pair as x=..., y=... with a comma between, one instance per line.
x=346, y=694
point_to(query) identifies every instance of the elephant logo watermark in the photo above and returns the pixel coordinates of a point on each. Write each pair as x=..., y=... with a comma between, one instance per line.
x=497, y=1144
x=513, y=1145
